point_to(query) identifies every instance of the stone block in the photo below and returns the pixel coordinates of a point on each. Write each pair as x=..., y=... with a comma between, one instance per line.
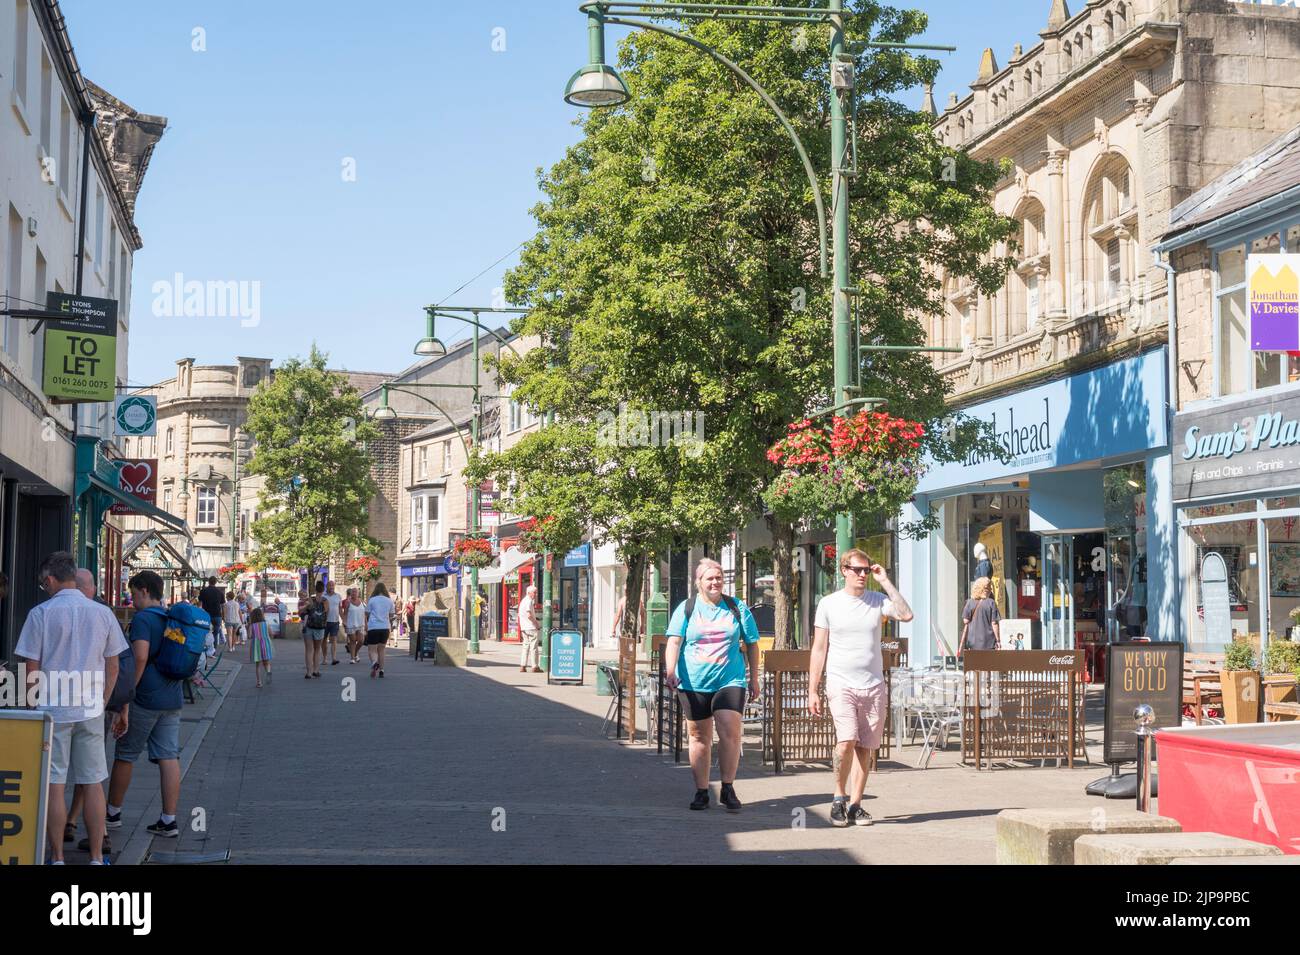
x=1282, y=38
x=1238, y=70
x=1233, y=105
x=1282, y=108
x=452, y=652
x=1161, y=848
x=1283, y=73
x=1238, y=34
x=1239, y=860
x=1047, y=836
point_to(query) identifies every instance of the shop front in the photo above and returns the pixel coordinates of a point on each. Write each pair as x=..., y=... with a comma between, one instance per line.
x=1071, y=525
x=1236, y=475
x=419, y=577
x=573, y=594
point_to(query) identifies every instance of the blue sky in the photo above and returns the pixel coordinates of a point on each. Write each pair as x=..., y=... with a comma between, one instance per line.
x=446, y=133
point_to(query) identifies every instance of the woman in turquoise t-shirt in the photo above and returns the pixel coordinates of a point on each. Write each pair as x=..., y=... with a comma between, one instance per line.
x=712, y=639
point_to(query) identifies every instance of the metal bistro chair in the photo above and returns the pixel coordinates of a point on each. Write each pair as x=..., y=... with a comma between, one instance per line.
x=204, y=674
x=646, y=692
x=615, y=711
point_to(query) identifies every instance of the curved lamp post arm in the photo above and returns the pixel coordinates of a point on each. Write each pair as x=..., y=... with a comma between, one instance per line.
x=415, y=394
x=449, y=312
x=771, y=103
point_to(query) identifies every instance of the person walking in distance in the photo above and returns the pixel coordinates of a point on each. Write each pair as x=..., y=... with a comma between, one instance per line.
x=333, y=603
x=233, y=614
x=260, y=650
x=313, y=630
x=846, y=648
x=529, y=631
x=354, y=611
x=379, y=615
x=981, y=621
x=212, y=599
x=73, y=644
x=154, y=717
x=712, y=641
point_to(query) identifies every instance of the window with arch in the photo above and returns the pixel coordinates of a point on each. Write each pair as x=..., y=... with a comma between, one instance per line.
x=1067, y=57
x=1119, y=19
x=1110, y=239
x=1033, y=264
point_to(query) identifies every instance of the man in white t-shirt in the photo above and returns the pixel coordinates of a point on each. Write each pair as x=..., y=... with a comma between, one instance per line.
x=333, y=604
x=529, y=631
x=846, y=647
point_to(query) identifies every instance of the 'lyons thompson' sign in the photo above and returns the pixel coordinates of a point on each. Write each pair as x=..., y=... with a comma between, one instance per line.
x=81, y=349
x=1247, y=446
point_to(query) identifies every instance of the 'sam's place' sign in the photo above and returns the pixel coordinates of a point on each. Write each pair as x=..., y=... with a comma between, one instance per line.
x=81, y=348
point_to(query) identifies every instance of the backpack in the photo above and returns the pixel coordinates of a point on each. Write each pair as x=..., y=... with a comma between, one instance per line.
x=315, y=616
x=731, y=605
x=185, y=635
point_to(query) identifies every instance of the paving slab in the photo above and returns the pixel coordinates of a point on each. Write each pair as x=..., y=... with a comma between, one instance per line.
x=1161, y=848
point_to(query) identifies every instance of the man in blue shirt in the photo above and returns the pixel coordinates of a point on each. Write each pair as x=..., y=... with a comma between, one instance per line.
x=153, y=719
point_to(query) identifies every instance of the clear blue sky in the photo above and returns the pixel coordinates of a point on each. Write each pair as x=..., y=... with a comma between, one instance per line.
x=447, y=135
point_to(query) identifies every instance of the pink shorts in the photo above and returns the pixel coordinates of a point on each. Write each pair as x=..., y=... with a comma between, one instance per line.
x=858, y=714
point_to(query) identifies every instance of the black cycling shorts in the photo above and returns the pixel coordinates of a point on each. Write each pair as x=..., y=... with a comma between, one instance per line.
x=702, y=706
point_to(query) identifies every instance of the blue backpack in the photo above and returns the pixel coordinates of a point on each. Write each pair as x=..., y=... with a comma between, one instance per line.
x=185, y=637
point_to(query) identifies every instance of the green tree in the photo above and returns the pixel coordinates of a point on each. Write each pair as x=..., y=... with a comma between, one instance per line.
x=310, y=437
x=675, y=262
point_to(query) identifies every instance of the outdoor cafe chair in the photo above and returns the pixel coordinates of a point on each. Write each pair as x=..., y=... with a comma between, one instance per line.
x=616, y=700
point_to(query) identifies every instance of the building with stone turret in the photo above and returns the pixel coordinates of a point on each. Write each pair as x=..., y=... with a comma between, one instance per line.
x=1118, y=112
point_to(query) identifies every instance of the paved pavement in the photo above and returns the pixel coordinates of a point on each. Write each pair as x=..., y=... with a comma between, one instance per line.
x=487, y=764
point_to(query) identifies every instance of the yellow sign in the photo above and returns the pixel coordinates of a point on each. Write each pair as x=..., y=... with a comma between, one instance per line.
x=24, y=785
x=991, y=538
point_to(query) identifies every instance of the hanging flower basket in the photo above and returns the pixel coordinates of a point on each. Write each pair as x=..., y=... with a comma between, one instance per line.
x=533, y=534
x=230, y=573
x=867, y=466
x=473, y=551
x=363, y=569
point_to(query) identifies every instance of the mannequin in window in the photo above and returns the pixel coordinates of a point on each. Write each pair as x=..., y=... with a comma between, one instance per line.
x=983, y=566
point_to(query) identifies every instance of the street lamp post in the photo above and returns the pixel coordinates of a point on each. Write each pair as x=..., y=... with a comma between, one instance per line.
x=594, y=86
x=431, y=347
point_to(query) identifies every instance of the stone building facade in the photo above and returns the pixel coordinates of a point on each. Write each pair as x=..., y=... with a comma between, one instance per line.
x=1120, y=112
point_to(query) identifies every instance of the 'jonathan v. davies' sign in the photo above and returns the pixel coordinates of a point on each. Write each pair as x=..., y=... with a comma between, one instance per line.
x=81, y=349
x=1245, y=446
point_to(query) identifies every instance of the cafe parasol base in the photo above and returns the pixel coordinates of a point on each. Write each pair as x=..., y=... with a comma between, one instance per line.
x=1116, y=786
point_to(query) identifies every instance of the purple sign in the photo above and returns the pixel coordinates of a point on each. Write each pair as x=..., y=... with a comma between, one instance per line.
x=1273, y=292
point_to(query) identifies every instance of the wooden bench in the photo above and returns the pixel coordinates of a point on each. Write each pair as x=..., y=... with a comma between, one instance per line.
x=1202, y=683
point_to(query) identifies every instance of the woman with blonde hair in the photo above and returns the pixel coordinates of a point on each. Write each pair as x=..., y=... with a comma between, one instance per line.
x=712, y=640
x=980, y=618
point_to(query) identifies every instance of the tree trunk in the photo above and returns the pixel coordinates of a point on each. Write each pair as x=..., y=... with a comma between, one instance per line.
x=633, y=589
x=783, y=571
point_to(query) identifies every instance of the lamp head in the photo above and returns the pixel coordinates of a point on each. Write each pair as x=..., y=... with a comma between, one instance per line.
x=430, y=347
x=384, y=414
x=596, y=84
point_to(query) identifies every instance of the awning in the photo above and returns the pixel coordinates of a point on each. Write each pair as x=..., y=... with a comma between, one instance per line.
x=181, y=567
x=156, y=514
x=511, y=560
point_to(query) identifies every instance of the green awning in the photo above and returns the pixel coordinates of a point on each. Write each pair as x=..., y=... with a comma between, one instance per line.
x=155, y=514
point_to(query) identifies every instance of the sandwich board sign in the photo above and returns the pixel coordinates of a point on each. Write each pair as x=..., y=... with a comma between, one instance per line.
x=25, y=737
x=566, y=657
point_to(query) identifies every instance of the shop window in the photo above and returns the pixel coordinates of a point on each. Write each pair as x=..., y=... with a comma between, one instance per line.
x=1237, y=543
x=1219, y=510
x=1239, y=368
x=1283, y=577
x=1282, y=503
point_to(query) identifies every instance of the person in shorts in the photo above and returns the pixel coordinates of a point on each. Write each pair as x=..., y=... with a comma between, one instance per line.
x=73, y=642
x=314, y=614
x=233, y=614
x=712, y=639
x=153, y=718
x=379, y=622
x=846, y=648
x=213, y=600
x=354, y=611
x=333, y=602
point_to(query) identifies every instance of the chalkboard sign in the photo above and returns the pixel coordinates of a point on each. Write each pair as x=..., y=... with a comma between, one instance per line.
x=566, y=657
x=1137, y=673
x=1215, y=599
x=432, y=626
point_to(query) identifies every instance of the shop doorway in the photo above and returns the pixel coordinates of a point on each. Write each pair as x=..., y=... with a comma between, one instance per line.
x=1073, y=606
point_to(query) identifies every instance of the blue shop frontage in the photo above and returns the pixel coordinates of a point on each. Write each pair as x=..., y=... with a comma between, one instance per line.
x=1074, y=529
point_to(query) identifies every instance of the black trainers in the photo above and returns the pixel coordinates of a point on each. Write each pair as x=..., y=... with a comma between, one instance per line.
x=859, y=816
x=167, y=830
x=701, y=800
x=728, y=798
x=113, y=820
x=839, y=817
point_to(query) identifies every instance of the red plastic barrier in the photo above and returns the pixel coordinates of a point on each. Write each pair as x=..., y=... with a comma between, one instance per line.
x=1241, y=781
